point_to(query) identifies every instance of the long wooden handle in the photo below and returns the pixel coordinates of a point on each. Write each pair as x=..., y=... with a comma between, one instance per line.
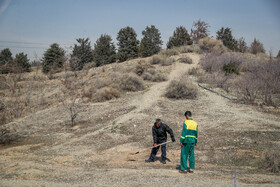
x=151, y=147
x=159, y=144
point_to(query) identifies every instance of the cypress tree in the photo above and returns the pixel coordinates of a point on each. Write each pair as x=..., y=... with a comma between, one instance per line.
x=22, y=62
x=180, y=37
x=104, y=51
x=82, y=53
x=53, y=58
x=151, y=41
x=128, y=44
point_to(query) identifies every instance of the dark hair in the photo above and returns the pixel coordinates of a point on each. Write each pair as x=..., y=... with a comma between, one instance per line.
x=188, y=113
x=158, y=120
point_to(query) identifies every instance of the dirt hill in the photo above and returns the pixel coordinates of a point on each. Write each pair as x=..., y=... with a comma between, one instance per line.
x=45, y=151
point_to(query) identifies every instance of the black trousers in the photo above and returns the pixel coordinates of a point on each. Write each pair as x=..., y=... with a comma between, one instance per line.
x=155, y=150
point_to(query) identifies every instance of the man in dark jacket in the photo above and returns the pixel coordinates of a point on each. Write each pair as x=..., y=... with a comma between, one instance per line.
x=160, y=136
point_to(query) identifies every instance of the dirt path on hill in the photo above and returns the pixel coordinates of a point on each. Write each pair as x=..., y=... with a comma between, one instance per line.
x=98, y=154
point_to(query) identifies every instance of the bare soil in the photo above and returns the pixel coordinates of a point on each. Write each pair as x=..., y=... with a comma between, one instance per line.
x=44, y=151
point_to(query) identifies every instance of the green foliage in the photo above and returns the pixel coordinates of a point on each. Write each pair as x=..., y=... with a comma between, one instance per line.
x=151, y=41
x=231, y=68
x=278, y=55
x=128, y=44
x=180, y=37
x=53, y=58
x=5, y=56
x=6, y=61
x=257, y=47
x=104, y=50
x=82, y=53
x=22, y=62
x=199, y=31
x=226, y=37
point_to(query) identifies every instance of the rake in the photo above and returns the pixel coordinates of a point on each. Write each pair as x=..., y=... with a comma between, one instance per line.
x=150, y=148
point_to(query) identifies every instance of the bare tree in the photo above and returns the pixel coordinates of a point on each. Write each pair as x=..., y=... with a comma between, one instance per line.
x=70, y=94
x=200, y=30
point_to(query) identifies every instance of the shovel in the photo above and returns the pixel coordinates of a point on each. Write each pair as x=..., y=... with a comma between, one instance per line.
x=150, y=147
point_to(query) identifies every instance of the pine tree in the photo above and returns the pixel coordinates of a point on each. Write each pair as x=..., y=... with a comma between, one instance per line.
x=199, y=31
x=226, y=37
x=256, y=47
x=278, y=55
x=5, y=56
x=180, y=37
x=82, y=53
x=128, y=44
x=104, y=50
x=22, y=62
x=53, y=58
x=6, y=61
x=151, y=41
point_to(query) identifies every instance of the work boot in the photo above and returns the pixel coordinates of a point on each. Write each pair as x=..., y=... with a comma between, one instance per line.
x=163, y=161
x=149, y=160
x=183, y=171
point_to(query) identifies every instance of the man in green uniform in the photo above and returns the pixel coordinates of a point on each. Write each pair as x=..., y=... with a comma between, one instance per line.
x=188, y=141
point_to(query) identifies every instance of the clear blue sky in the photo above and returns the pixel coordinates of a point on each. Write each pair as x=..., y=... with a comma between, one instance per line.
x=30, y=26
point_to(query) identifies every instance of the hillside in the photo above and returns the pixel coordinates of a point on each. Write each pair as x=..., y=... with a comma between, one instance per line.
x=42, y=149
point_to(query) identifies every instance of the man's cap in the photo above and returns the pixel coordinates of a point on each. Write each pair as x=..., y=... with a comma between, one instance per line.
x=158, y=120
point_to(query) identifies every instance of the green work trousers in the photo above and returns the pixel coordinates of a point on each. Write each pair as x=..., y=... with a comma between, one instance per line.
x=187, y=153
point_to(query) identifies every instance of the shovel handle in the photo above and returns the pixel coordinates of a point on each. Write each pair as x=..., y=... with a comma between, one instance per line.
x=150, y=147
x=159, y=144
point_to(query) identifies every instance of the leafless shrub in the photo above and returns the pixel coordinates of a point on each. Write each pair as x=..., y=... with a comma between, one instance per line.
x=210, y=45
x=142, y=66
x=131, y=82
x=152, y=75
x=185, y=59
x=267, y=74
x=105, y=94
x=196, y=71
x=219, y=79
x=159, y=77
x=247, y=88
x=168, y=52
x=147, y=76
x=69, y=97
x=227, y=62
x=271, y=161
x=71, y=106
x=156, y=59
x=181, y=90
x=187, y=49
x=162, y=60
x=168, y=61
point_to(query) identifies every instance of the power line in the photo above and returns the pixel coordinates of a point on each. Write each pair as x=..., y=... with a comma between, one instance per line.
x=19, y=47
x=30, y=43
x=15, y=42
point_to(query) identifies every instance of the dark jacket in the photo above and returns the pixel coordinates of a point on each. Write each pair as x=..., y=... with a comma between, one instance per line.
x=159, y=133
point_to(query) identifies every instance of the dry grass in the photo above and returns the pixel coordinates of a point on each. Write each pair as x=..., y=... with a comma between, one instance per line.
x=105, y=94
x=162, y=60
x=169, y=52
x=208, y=45
x=271, y=161
x=131, y=83
x=142, y=65
x=181, y=90
x=185, y=59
